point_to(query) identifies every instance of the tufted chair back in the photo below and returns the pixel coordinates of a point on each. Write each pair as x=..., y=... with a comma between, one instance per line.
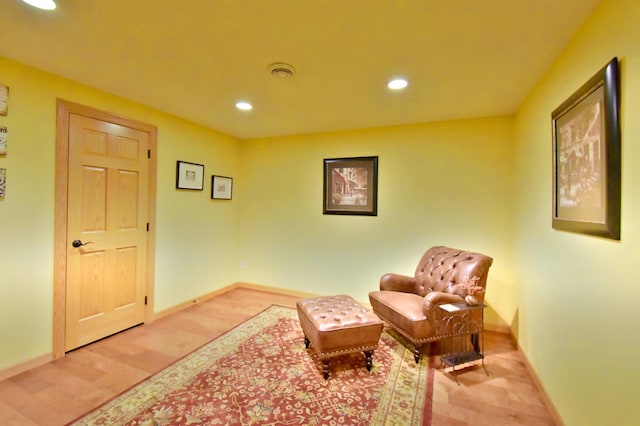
x=441, y=268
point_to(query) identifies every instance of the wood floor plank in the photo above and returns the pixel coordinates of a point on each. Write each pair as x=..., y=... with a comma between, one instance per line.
x=28, y=405
x=64, y=389
x=11, y=417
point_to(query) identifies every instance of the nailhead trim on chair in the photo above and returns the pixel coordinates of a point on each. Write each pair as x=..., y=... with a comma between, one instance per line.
x=409, y=338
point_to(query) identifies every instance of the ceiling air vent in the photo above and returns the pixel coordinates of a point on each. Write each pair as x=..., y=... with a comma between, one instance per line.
x=281, y=70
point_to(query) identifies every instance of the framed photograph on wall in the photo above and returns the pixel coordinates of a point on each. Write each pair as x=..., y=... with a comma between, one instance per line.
x=4, y=135
x=4, y=99
x=587, y=157
x=350, y=186
x=3, y=182
x=190, y=176
x=221, y=187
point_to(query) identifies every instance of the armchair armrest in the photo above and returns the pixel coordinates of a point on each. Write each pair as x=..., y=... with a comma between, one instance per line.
x=396, y=282
x=435, y=298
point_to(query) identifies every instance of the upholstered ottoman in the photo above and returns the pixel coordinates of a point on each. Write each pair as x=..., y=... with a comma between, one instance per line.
x=336, y=325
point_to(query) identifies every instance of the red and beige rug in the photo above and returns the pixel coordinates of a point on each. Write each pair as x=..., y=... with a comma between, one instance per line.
x=260, y=373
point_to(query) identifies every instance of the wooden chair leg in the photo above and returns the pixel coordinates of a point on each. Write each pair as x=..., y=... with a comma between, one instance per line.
x=417, y=353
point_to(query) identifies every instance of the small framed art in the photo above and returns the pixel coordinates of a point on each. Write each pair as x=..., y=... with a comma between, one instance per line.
x=350, y=186
x=4, y=99
x=587, y=157
x=4, y=134
x=3, y=182
x=221, y=187
x=190, y=176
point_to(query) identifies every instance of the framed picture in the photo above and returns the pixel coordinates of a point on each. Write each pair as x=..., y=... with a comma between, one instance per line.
x=190, y=176
x=4, y=134
x=586, y=157
x=4, y=99
x=351, y=186
x=3, y=182
x=221, y=187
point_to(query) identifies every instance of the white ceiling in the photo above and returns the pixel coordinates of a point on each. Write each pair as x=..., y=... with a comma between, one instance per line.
x=196, y=58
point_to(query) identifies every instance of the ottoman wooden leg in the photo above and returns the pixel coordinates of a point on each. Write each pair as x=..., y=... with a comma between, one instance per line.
x=368, y=358
x=325, y=369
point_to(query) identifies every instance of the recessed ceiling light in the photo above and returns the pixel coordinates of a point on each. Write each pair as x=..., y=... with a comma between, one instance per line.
x=244, y=106
x=397, y=84
x=42, y=4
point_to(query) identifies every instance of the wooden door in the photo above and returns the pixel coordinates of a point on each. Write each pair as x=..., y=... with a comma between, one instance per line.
x=108, y=181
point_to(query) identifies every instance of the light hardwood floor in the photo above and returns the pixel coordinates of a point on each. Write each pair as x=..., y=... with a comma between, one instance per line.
x=62, y=390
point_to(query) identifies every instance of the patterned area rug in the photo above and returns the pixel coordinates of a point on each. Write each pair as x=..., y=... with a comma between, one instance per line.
x=260, y=373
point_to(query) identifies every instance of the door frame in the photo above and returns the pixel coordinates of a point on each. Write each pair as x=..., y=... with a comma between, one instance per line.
x=63, y=110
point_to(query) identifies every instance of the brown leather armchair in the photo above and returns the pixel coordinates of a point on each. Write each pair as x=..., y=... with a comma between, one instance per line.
x=408, y=304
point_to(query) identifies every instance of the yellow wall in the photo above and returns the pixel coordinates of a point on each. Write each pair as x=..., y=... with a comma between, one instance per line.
x=480, y=184
x=441, y=183
x=196, y=237
x=578, y=295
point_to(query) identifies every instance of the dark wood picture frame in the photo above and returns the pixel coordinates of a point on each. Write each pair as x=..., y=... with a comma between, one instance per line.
x=587, y=157
x=350, y=186
x=189, y=176
x=221, y=187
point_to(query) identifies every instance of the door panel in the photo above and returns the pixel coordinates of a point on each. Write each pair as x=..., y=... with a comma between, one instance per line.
x=107, y=211
x=126, y=265
x=93, y=184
